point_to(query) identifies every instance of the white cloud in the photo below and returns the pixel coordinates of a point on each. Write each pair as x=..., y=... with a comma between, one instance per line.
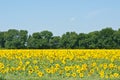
x=72, y=19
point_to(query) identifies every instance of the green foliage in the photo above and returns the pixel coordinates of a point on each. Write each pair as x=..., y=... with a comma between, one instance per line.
x=40, y=40
x=2, y=78
x=2, y=40
x=55, y=42
x=15, y=39
x=69, y=40
x=106, y=38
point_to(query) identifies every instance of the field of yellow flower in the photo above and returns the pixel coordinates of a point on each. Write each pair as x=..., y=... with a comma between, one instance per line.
x=59, y=64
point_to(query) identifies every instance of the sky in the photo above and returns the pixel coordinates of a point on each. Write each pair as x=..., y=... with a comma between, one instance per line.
x=59, y=16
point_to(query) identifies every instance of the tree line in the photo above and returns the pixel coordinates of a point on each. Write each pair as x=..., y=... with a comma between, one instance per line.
x=106, y=38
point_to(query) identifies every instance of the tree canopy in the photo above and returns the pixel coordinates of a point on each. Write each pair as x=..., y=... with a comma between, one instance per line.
x=106, y=38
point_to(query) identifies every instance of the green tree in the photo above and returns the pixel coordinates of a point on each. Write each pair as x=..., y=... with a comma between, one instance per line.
x=45, y=39
x=116, y=39
x=12, y=39
x=93, y=39
x=55, y=42
x=69, y=40
x=82, y=40
x=34, y=41
x=105, y=38
x=23, y=36
x=15, y=39
x=2, y=40
x=40, y=40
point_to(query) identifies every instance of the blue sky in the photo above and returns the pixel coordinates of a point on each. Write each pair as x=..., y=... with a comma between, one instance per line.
x=59, y=16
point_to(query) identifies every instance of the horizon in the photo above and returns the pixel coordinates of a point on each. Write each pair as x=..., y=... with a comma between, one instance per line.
x=63, y=33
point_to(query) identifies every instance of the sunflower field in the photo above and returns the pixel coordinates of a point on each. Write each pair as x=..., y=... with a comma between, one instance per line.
x=58, y=64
